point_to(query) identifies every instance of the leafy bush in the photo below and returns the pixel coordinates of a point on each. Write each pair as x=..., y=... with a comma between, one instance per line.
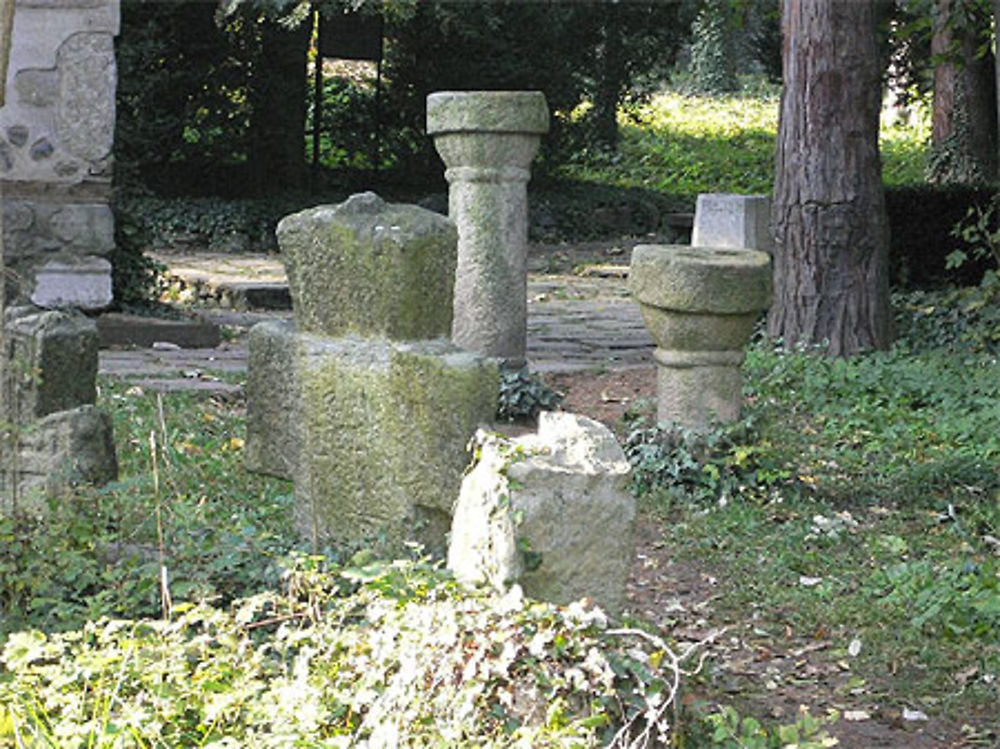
x=379, y=654
x=716, y=464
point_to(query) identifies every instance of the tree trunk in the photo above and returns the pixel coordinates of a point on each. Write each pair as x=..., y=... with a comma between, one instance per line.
x=278, y=108
x=964, y=113
x=831, y=231
x=612, y=78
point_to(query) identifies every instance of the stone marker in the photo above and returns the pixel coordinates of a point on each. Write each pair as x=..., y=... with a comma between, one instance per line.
x=54, y=436
x=363, y=402
x=733, y=221
x=487, y=140
x=370, y=268
x=700, y=305
x=549, y=511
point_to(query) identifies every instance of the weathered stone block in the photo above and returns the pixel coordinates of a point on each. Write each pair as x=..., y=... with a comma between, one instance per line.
x=370, y=268
x=81, y=283
x=550, y=511
x=734, y=221
x=54, y=453
x=51, y=361
x=274, y=422
x=385, y=429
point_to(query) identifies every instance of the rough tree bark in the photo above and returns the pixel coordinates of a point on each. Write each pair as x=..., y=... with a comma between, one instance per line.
x=964, y=112
x=831, y=279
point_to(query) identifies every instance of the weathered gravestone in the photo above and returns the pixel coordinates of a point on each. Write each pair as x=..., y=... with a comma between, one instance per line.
x=487, y=140
x=733, y=221
x=549, y=511
x=699, y=305
x=364, y=403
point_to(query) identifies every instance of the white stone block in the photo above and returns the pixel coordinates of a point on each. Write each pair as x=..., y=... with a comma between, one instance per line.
x=733, y=221
x=83, y=283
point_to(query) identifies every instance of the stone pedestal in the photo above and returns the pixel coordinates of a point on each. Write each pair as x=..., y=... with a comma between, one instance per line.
x=364, y=403
x=700, y=305
x=733, y=221
x=487, y=140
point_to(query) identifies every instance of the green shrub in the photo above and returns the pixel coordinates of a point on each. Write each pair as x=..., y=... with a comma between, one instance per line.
x=385, y=653
x=523, y=395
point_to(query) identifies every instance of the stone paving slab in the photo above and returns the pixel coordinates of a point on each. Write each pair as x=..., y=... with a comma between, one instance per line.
x=574, y=323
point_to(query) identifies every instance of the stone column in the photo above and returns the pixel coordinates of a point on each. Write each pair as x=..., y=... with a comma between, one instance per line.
x=700, y=305
x=487, y=140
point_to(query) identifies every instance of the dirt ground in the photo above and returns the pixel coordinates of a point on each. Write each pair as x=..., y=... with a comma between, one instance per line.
x=762, y=675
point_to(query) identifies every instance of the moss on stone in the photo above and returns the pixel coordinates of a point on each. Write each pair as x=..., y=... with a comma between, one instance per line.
x=386, y=425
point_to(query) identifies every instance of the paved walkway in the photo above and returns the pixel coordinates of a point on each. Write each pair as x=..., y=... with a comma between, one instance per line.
x=575, y=322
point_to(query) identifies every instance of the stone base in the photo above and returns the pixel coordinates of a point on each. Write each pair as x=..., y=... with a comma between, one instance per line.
x=372, y=432
x=386, y=427
x=52, y=454
x=698, y=388
x=51, y=361
x=550, y=511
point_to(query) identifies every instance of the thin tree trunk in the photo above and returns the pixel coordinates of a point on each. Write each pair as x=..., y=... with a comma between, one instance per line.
x=829, y=219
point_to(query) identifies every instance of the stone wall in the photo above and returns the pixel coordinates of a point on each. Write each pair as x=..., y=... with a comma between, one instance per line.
x=56, y=135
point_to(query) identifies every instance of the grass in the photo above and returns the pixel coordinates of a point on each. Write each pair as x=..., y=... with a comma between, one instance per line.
x=858, y=501
x=685, y=144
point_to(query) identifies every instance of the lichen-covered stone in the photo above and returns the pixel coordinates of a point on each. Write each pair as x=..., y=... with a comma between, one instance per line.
x=51, y=358
x=274, y=422
x=487, y=111
x=549, y=511
x=56, y=452
x=370, y=268
x=385, y=429
x=701, y=279
x=699, y=305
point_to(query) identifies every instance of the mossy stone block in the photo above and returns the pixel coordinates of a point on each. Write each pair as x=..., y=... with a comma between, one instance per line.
x=370, y=268
x=386, y=426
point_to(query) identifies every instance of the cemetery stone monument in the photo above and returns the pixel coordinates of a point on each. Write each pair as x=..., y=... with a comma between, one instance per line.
x=487, y=140
x=364, y=402
x=550, y=511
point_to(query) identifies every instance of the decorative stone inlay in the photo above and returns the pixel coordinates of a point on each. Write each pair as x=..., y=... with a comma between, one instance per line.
x=700, y=305
x=42, y=149
x=18, y=135
x=487, y=140
x=36, y=87
x=83, y=283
